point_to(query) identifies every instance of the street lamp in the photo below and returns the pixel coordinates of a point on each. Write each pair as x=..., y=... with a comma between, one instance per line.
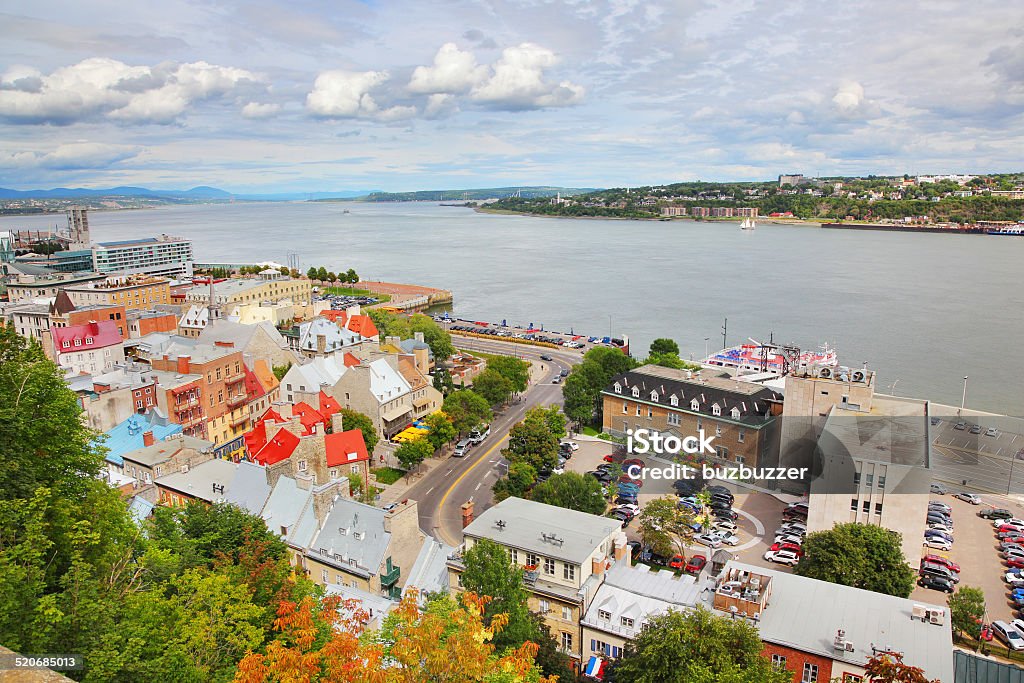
x=707, y=352
x=963, y=399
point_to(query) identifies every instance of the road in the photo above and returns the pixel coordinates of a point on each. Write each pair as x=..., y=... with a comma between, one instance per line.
x=442, y=491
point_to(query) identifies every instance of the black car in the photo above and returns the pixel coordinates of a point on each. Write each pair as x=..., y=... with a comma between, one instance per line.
x=545, y=357
x=602, y=477
x=724, y=514
x=720, y=505
x=659, y=560
x=997, y=513
x=718, y=498
x=635, y=548
x=563, y=373
x=625, y=500
x=936, y=583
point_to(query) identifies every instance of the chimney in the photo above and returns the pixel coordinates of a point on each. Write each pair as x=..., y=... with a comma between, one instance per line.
x=598, y=565
x=283, y=408
x=321, y=343
x=467, y=513
x=621, y=549
x=275, y=471
x=183, y=365
x=94, y=327
x=406, y=516
x=294, y=425
x=323, y=498
x=418, y=336
x=303, y=481
x=337, y=423
x=147, y=438
x=393, y=340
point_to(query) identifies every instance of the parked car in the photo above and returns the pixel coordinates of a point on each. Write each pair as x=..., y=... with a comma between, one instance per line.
x=938, y=544
x=935, y=533
x=657, y=559
x=792, y=547
x=725, y=514
x=1008, y=634
x=726, y=526
x=936, y=583
x=479, y=434
x=1014, y=563
x=677, y=562
x=1015, y=580
x=695, y=565
x=992, y=431
x=709, y=540
x=940, y=560
x=936, y=420
x=782, y=557
x=971, y=498
x=632, y=507
x=726, y=537
x=462, y=448
x=939, y=526
x=960, y=426
x=625, y=500
x=975, y=429
x=1012, y=552
x=635, y=549
x=942, y=507
x=939, y=489
x=996, y=513
x=1006, y=545
x=789, y=538
x=602, y=477
x=572, y=445
x=938, y=570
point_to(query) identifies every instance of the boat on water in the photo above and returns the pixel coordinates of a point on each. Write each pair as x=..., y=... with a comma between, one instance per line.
x=1017, y=231
x=748, y=224
x=777, y=359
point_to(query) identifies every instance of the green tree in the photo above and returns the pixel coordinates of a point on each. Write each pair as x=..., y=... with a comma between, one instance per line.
x=490, y=572
x=435, y=336
x=311, y=273
x=514, y=370
x=663, y=346
x=44, y=443
x=321, y=274
x=412, y=453
x=281, y=370
x=583, y=395
x=578, y=399
x=553, y=418
x=696, y=646
x=494, y=387
x=967, y=610
x=351, y=419
x=361, y=490
x=442, y=431
x=665, y=526
x=516, y=483
x=443, y=380
x=466, y=409
x=573, y=491
x=531, y=441
x=859, y=555
x=352, y=276
x=331, y=276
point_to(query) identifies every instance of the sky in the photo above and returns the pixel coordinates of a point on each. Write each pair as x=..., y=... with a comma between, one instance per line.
x=305, y=95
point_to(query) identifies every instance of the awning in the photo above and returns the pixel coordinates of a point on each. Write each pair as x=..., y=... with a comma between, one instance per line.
x=420, y=402
x=594, y=668
x=396, y=413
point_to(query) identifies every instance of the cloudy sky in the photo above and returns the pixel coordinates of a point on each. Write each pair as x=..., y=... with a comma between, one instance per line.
x=399, y=95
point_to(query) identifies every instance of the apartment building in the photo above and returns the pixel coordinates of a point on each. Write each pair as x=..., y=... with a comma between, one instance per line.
x=270, y=285
x=109, y=398
x=320, y=338
x=89, y=348
x=260, y=340
x=425, y=398
x=138, y=292
x=30, y=287
x=172, y=454
x=163, y=256
x=564, y=554
x=742, y=416
x=376, y=389
x=179, y=396
x=31, y=319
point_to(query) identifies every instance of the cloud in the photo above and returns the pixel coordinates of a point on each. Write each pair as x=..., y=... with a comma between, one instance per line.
x=518, y=81
x=346, y=94
x=440, y=106
x=99, y=86
x=257, y=110
x=71, y=156
x=454, y=71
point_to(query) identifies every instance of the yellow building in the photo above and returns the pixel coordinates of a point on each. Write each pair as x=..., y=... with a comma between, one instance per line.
x=268, y=286
x=133, y=292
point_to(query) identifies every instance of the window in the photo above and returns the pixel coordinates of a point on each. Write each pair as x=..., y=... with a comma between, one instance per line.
x=88, y=341
x=674, y=401
x=654, y=396
x=694, y=405
x=716, y=409
x=856, y=479
x=739, y=458
x=638, y=409
x=78, y=342
x=650, y=413
x=618, y=388
x=323, y=575
x=718, y=430
x=138, y=404
x=532, y=560
x=881, y=481
x=302, y=466
x=334, y=473
x=852, y=678
x=627, y=622
x=567, y=613
x=673, y=419
x=514, y=555
x=878, y=508
x=810, y=673
x=602, y=614
x=625, y=407
x=741, y=435
x=700, y=424
x=853, y=505
x=636, y=392
x=779, y=661
x=869, y=480
x=866, y=506
x=544, y=606
x=549, y=566
x=64, y=344
x=566, y=641
x=569, y=572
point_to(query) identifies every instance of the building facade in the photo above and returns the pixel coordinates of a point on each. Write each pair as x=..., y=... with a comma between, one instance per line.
x=163, y=256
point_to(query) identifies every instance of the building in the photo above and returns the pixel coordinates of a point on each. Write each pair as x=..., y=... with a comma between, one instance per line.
x=78, y=228
x=25, y=287
x=305, y=382
x=175, y=453
x=179, y=396
x=793, y=179
x=425, y=398
x=874, y=450
x=376, y=389
x=564, y=553
x=138, y=431
x=64, y=312
x=353, y=320
x=319, y=338
x=31, y=319
x=672, y=211
x=137, y=292
x=209, y=481
x=742, y=416
x=141, y=323
x=89, y=348
x=164, y=256
x=112, y=397
x=261, y=340
x=270, y=285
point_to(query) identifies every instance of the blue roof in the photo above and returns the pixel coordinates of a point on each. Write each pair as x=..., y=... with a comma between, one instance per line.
x=140, y=509
x=127, y=436
x=122, y=243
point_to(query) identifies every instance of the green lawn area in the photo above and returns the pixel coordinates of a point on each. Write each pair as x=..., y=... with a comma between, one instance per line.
x=387, y=475
x=353, y=291
x=590, y=431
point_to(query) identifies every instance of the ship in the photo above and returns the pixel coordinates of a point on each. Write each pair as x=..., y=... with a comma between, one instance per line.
x=748, y=224
x=777, y=359
x=1016, y=230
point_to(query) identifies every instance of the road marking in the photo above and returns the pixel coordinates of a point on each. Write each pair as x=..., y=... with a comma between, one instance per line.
x=429, y=490
x=477, y=487
x=444, y=498
x=448, y=473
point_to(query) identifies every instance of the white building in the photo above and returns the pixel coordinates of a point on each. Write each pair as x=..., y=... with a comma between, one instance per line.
x=164, y=255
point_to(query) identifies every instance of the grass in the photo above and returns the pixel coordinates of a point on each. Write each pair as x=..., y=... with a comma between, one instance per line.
x=354, y=291
x=387, y=475
x=590, y=431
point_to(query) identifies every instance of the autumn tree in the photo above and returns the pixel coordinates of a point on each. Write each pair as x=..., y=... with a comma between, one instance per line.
x=888, y=667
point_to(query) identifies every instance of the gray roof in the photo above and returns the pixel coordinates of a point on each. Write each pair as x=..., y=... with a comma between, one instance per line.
x=352, y=537
x=573, y=536
x=249, y=489
x=972, y=668
x=238, y=334
x=806, y=614
x=159, y=452
x=429, y=572
x=285, y=505
x=637, y=593
x=199, y=481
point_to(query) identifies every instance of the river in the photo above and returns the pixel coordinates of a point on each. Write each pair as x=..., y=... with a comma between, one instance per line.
x=923, y=310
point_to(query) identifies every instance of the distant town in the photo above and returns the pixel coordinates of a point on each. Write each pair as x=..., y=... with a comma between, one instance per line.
x=350, y=454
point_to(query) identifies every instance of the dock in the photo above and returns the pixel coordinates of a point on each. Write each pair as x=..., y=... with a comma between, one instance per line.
x=408, y=297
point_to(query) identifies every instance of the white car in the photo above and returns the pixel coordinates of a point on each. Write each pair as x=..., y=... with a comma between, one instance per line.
x=972, y=498
x=1015, y=580
x=789, y=538
x=709, y=540
x=1013, y=521
x=558, y=470
x=1008, y=635
x=939, y=526
x=628, y=506
x=725, y=526
x=572, y=444
x=1010, y=553
x=938, y=543
x=726, y=538
x=782, y=557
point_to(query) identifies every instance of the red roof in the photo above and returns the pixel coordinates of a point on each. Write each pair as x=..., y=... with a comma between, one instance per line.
x=256, y=438
x=362, y=325
x=328, y=405
x=278, y=448
x=308, y=416
x=346, y=447
x=334, y=315
x=253, y=388
x=91, y=335
x=350, y=360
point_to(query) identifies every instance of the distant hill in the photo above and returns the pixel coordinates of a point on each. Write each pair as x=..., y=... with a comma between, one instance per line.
x=201, y=193
x=468, y=194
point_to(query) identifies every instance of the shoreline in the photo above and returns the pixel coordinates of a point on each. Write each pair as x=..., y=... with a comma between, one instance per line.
x=734, y=221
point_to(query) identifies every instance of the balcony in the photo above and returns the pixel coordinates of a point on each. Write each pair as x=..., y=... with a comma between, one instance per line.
x=186, y=404
x=389, y=578
x=235, y=401
x=235, y=379
x=235, y=423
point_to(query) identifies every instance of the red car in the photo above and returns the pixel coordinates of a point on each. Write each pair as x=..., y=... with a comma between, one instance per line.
x=1015, y=562
x=609, y=458
x=1012, y=539
x=632, y=461
x=1008, y=527
x=677, y=562
x=938, y=559
x=793, y=547
x=986, y=633
x=695, y=564
x=629, y=480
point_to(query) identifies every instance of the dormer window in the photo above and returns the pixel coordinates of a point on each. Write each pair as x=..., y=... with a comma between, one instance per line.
x=654, y=396
x=78, y=342
x=674, y=400
x=604, y=614
x=65, y=344
x=636, y=392
x=618, y=388
x=694, y=405
x=716, y=409
x=88, y=341
x=735, y=413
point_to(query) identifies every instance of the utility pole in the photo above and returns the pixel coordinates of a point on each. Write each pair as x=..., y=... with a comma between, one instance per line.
x=707, y=351
x=725, y=329
x=963, y=400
